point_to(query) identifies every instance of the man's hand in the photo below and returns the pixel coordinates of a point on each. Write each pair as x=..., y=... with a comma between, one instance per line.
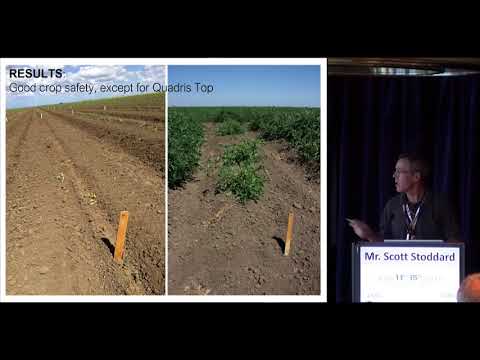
x=362, y=230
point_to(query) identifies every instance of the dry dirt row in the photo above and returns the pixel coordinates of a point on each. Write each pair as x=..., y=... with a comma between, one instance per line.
x=142, y=139
x=138, y=115
x=65, y=189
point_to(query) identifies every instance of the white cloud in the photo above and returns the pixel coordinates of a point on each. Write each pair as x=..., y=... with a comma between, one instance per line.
x=154, y=73
x=98, y=73
x=150, y=74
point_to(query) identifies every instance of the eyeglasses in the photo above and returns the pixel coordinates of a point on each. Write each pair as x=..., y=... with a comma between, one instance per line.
x=398, y=172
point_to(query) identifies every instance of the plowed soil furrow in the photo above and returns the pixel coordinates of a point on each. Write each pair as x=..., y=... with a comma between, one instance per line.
x=121, y=182
x=16, y=133
x=63, y=205
x=218, y=246
x=115, y=119
x=143, y=142
x=49, y=248
x=122, y=108
x=143, y=115
x=11, y=118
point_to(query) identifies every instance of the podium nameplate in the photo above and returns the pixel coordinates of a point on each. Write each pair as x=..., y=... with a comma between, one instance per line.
x=407, y=271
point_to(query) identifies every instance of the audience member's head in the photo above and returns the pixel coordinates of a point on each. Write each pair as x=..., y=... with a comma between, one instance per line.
x=469, y=290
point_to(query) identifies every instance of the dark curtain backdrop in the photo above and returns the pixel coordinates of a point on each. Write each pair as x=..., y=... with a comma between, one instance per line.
x=371, y=120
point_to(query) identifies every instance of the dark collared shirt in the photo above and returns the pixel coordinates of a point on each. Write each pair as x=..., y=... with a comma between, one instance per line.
x=436, y=219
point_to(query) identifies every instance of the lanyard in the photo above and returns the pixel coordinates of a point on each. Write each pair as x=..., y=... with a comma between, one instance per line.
x=411, y=223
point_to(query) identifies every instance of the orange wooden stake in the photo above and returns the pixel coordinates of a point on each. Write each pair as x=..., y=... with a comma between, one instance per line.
x=122, y=231
x=289, y=234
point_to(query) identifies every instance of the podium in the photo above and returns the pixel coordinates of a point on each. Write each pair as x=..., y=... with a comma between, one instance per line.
x=407, y=271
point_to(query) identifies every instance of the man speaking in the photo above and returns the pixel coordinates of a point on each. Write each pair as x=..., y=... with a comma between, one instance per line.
x=415, y=213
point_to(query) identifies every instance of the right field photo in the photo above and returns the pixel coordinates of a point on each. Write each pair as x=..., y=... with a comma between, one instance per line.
x=244, y=180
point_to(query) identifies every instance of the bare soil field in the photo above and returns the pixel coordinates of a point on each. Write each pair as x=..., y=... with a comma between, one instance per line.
x=68, y=179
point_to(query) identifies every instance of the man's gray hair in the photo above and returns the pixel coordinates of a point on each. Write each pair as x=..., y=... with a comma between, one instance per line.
x=469, y=290
x=418, y=164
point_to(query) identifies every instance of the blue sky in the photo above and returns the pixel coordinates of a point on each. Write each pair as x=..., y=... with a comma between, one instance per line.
x=247, y=85
x=83, y=74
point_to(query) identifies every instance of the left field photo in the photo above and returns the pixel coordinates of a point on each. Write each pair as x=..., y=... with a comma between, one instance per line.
x=85, y=179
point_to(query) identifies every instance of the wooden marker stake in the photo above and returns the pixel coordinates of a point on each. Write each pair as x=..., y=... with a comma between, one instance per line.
x=288, y=240
x=122, y=231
